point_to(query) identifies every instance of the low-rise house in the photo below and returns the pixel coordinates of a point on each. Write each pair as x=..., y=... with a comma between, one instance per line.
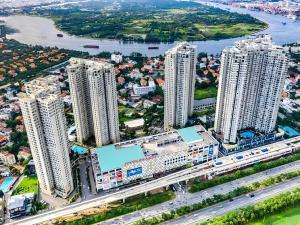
x=3, y=140
x=144, y=90
x=137, y=90
x=143, y=82
x=136, y=74
x=121, y=80
x=160, y=82
x=20, y=128
x=118, y=58
x=135, y=124
x=148, y=104
x=7, y=158
x=20, y=205
x=24, y=153
x=122, y=101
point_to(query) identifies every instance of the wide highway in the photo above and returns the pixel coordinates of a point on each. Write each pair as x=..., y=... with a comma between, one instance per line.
x=184, y=198
x=240, y=202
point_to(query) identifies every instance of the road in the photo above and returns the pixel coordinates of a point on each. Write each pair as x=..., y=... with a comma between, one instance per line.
x=240, y=202
x=183, y=198
x=86, y=193
x=275, y=150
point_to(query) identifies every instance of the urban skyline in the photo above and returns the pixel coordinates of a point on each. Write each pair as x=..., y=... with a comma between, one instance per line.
x=159, y=131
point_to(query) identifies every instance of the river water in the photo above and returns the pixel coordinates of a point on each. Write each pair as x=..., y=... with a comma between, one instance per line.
x=41, y=31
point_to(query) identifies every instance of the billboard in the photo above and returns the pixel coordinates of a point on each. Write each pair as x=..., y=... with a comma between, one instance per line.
x=106, y=182
x=135, y=171
x=119, y=176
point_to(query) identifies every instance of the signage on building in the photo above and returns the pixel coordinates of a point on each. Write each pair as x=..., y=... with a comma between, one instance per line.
x=106, y=182
x=211, y=150
x=119, y=176
x=135, y=171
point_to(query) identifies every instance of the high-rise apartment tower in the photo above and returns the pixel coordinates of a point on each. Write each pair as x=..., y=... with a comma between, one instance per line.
x=94, y=100
x=180, y=72
x=45, y=122
x=252, y=76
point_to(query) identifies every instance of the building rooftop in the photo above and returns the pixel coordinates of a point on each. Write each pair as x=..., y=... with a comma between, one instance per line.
x=135, y=123
x=110, y=157
x=189, y=135
x=205, y=101
x=17, y=201
x=116, y=155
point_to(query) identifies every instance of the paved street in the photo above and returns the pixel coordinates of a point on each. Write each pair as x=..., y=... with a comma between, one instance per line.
x=184, y=198
x=240, y=202
x=86, y=193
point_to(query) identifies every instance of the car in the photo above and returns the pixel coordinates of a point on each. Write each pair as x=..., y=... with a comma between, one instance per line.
x=171, y=203
x=231, y=200
x=251, y=195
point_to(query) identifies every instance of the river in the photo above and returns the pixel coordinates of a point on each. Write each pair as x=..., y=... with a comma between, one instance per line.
x=41, y=31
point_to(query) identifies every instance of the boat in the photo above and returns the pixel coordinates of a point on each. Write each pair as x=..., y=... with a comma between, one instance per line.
x=153, y=47
x=91, y=46
x=59, y=35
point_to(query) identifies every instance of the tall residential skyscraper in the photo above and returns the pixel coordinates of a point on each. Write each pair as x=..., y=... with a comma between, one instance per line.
x=45, y=122
x=251, y=81
x=180, y=72
x=94, y=99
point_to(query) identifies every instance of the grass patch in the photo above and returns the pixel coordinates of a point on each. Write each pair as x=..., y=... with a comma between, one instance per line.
x=132, y=204
x=27, y=185
x=287, y=217
x=209, y=92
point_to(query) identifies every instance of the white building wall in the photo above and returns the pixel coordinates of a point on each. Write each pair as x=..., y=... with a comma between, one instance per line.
x=94, y=98
x=45, y=123
x=79, y=90
x=55, y=133
x=252, y=76
x=180, y=71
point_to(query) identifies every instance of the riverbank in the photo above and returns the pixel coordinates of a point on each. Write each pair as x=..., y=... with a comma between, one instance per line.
x=42, y=31
x=155, y=22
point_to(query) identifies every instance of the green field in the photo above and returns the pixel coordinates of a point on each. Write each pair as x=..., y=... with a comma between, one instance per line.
x=206, y=93
x=27, y=185
x=288, y=217
x=155, y=21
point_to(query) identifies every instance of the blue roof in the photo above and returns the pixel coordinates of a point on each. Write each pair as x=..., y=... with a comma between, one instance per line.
x=189, y=134
x=111, y=158
x=79, y=149
x=289, y=131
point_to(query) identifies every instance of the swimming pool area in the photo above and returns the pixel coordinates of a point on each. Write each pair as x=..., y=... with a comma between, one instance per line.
x=6, y=184
x=79, y=150
x=247, y=134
